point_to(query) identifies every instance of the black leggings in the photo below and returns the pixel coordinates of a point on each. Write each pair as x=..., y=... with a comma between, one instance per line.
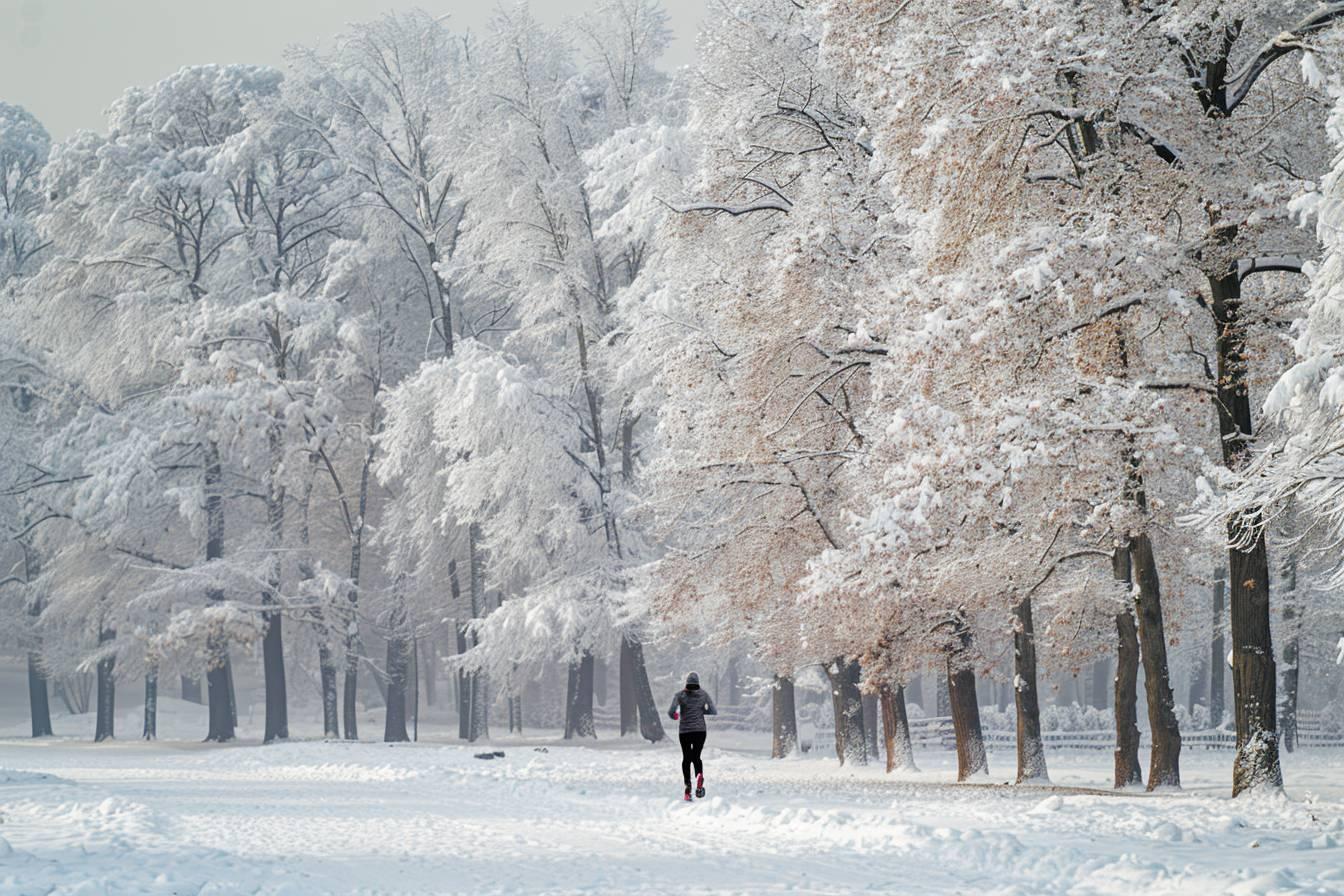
x=692, y=742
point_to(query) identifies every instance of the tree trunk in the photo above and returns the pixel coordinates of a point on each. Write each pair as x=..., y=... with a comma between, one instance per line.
x=191, y=688
x=464, y=689
x=219, y=678
x=38, y=705
x=847, y=703
x=629, y=703
x=1127, y=769
x=1254, y=680
x=1291, y=676
x=896, y=730
x=650, y=722
x=1164, y=769
x=331, y=700
x=353, y=646
x=273, y=666
x=870, y=726
x=1218, y=657
x=394, y=724
x=1031, y=766
x=784, y=721
x=480, y=699
x=107, y=693
x=218, y=687
x=151, y=730
x=579, y=707
x=1291, y=652
x=273, y=642
x=965, y=709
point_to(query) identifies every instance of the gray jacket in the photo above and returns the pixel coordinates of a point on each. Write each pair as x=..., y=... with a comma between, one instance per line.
x=692, y=706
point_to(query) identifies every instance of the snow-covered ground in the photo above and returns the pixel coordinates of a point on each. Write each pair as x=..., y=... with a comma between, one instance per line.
x=312, y=817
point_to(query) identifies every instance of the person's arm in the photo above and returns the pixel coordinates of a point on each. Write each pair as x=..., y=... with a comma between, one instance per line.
x=710, y=708
x=672, y=710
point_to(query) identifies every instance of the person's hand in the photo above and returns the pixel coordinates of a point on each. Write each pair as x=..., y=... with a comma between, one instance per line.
x=675, y=716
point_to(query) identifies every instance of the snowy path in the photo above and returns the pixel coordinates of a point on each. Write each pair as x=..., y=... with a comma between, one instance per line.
x=367, y=818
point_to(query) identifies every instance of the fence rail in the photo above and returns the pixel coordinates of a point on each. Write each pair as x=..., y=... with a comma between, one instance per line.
x=1314, y=729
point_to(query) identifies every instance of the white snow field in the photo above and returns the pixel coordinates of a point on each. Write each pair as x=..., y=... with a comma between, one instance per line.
x=179, y=817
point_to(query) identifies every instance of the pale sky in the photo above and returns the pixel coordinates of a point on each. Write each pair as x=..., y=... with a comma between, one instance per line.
x=67, y=60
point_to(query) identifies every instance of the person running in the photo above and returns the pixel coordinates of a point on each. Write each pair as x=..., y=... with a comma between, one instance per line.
x=689, y=708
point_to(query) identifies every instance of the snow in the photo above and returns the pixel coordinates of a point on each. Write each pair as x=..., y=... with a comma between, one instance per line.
x=313, y=817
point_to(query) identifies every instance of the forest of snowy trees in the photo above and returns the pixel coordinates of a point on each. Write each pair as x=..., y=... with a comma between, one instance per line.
x=995, y=344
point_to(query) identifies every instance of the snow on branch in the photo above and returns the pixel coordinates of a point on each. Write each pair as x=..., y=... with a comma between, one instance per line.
x=1240, y=84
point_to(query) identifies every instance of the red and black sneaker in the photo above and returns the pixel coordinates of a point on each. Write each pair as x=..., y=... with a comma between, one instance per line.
x=699, y=786
x=687, y=795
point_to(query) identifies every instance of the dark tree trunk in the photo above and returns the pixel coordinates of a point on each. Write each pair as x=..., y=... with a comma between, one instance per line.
x=273, y=641
x=38, y=705
x=1218, y=650
x=273, y=666
x=650, y=723
x=896, y=730
x=218, y=687
x=784, y=721
x=515, y=713
x=218, y=676
x=1127, y=769
x=1030, y=748
x=1254, y=680
x=870, y=726
x=394, y=725
x=107, y=693
x=331, y=699
x=847, y=703
x=480, y=706
x=151, y=730
x=191, y=689
x=464, y=689
x=629, y=703
x=965, y=709
x=1164, y=769
x=579, y=714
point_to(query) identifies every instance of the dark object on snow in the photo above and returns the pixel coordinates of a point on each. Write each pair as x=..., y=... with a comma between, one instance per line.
x=540, y=750
x=497, y=754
